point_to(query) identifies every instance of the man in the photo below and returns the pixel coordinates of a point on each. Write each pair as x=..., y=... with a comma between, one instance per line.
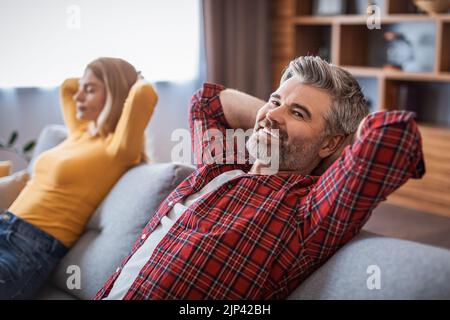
x=231, y=231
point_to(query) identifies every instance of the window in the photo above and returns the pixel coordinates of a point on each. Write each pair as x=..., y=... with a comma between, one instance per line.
x=46, y=41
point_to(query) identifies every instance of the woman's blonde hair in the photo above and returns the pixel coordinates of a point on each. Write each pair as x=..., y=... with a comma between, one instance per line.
x=118, y=76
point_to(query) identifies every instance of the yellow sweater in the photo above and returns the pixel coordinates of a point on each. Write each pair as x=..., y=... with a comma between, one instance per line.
x=70, y=180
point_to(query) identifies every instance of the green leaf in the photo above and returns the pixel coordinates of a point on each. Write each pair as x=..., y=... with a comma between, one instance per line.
x=12, y=138
x=29, y=146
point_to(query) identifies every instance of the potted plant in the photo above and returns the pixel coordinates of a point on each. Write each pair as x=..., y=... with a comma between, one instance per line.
x=19, y=157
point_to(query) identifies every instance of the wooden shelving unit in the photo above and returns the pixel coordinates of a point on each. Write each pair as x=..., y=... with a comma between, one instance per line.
x=359, y=19
x=348, y=43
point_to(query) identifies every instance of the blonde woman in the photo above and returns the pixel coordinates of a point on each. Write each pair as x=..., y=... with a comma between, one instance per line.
x=106, y=113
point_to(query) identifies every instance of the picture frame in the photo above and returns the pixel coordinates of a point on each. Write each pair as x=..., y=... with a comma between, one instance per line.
x=329, y=7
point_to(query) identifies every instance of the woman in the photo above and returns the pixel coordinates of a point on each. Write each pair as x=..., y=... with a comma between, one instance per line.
x=106, y=112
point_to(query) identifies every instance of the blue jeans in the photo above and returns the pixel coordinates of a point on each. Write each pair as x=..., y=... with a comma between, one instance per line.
x=27, y=257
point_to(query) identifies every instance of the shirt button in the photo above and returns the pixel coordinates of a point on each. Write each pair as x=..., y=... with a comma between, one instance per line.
x=170, y=203
x=118, y=269
x=230, y=186
x=143, y=236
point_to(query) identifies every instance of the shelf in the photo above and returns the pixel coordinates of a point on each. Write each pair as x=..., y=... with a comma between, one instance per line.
x=444, y=48
x=431, y=192
x=314, y=40
x=364, y=71
x=416, y=76
x=370, y=50
x=399, y=6
x=397, y=75
x=360, y=19
x=363, y=53
x=429, y=99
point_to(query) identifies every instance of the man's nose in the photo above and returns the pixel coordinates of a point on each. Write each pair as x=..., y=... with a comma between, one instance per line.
x=276, y=115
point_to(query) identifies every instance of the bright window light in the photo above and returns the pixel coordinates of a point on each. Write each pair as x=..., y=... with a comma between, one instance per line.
x=46, y=41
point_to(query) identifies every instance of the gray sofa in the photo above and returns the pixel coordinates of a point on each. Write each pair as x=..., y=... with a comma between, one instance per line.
x=368, y=267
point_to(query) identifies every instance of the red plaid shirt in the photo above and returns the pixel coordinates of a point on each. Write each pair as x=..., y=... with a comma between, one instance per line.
x=260, y=236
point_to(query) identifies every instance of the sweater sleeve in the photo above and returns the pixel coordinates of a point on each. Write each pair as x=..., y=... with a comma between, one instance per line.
x=129, y=134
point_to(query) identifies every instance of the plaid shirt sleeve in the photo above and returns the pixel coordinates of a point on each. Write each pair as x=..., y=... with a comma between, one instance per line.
x=387, y=154
x=209, y=128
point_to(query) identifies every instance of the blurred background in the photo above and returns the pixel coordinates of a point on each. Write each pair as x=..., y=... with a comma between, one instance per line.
x=399, y=51
x=46, y=41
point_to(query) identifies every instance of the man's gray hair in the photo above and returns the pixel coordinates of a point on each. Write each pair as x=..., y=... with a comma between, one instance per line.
x=348, y=105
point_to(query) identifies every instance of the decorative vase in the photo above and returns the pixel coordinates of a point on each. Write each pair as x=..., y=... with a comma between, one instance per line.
x=433, y=6
x=398, y=50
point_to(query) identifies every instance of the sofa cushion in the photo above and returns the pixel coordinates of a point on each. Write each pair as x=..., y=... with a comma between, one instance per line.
x=407, y=270
x=50, y=292
x=116, y=225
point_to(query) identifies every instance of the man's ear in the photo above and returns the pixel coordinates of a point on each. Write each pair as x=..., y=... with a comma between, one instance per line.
x=331, y=151
x=330, y=145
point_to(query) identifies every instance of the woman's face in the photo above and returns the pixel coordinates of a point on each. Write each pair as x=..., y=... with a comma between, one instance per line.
x=90, y=97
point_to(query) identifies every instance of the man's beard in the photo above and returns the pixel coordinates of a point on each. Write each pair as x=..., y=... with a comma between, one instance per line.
x=263, y=149
x=295, y=156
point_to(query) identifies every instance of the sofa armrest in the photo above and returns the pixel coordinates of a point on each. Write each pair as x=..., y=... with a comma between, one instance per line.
x=10, y=187
x=377, y=267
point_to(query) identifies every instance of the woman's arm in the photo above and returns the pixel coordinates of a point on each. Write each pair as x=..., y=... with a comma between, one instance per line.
x=69, y=110
x=138, y=108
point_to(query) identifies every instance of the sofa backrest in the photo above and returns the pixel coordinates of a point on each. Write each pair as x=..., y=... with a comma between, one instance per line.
x=116, y=225
x=374, y=267
x=117, y=222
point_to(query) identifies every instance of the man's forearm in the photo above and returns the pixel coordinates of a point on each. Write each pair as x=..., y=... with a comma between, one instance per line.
x=239, y=108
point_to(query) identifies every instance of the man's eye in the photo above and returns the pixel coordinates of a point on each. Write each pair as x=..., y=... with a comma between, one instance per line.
x=274, y=102
x=297, y=114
